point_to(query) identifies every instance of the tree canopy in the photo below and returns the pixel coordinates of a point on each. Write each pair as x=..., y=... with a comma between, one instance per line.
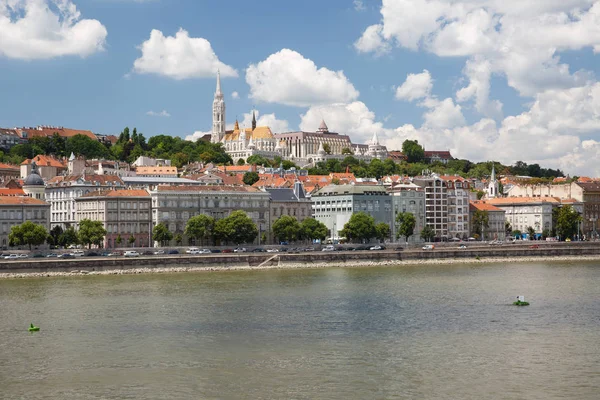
x=413, y=151
x=360, y=227
x=286, y=228
x=480, y=221
x=27, y=233
x=161, y=234
x=200, y=227
x=313, y=229
x=567, y=222
x=427, y=233
x=91, y=232
x=405, y=222
x=382, y=231
x=250, y=178
x=236, y=228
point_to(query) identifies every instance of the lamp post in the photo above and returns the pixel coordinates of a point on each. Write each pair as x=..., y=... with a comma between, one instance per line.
x=593, y=221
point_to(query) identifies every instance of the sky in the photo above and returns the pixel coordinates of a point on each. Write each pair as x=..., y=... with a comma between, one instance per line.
x=503, y=80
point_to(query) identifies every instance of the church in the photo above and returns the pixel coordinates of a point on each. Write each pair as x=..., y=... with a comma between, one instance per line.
x=303, y=148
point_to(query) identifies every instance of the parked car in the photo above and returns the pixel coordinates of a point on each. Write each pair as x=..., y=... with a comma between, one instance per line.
x=66, y=255
x=173, y=252
x=215, y=251
x=22, y=255
x=377, y=247
x=159, y=252
x=534, y=246
x=77, y=253
x=38, y=255
x=192, y=250
x=12, y=257
x=462, y=246
x=272, y=250
x=329, y=247
x=227, y=251
x=115, y=254
x=52, y=255
x=239, y=250
x=428, y=247
x=92, y=254
x=131, y=253
x=258, y=250
x=205, y=251
x=105, y=254
x=284, y=243
x=309, y=249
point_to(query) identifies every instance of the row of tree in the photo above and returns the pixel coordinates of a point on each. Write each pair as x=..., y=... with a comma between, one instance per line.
x=30, y=234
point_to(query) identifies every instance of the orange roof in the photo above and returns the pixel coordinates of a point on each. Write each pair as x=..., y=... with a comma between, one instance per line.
x=236, y=168
x=11, y=192
x=236, y=179
x=118, y=193
x=207, y=188
x=484, y=206
x=100, y=179
x=452, y=178
x=522, y=200
x=156, y=170
x=9, y=166
x=260, y=132
x=23, y=200
x=45, y=161
x=44, y=131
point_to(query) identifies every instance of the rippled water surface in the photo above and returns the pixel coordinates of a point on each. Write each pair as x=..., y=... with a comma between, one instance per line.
x=428, y=332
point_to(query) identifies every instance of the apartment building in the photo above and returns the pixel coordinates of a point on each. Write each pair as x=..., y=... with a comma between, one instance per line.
x=408, y=197
x=436, y=203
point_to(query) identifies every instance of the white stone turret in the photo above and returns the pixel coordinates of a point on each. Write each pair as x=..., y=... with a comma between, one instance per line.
x=493, y=185
x=218, y=128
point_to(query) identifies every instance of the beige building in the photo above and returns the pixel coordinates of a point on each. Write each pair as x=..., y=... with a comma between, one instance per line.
x=14, y=210
x=48, y=167
x=124, y=213
x=458, y=190
x=175, y=205
x=496, y=229
x=436, y=203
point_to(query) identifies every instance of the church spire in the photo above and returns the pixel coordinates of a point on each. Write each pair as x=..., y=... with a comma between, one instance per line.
x=493, y=177
x=253, y=120
x=218, y=91
x=375, y=140
x=218, y=130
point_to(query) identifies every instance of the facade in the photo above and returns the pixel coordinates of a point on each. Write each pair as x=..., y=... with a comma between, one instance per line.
x=458, y=190
x=62, y=191
x=9, y=138
x=48, y=167
x=334, y=205
x=496, y=229
x=14, y=210
x=8, y=172
x=145, y=161
x=124, y=213
x=289, y=201
x=156, y=172
x=408, y=197
x=525, y=212
x=438, y=156
x=49, y=131
x=175, y=205
x=436, y=203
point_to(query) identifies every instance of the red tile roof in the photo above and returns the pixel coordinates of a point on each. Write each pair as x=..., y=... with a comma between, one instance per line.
x=483, y=206
x=11, y=192
x=10, y=167
x=100, y=179
x=23, y=200
x=45, y=161
x=43, y=131
x=207, y=188
x=118, y=193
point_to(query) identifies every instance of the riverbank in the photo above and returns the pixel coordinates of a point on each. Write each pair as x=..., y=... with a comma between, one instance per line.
x=293, y=265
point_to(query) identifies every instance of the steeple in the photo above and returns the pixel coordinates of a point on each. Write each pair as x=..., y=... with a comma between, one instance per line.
x=323, y=127
x=236, y=127
x=218, y=128
x=493, y=177
x=253, y=120
x=375, y=140
x=218, y=91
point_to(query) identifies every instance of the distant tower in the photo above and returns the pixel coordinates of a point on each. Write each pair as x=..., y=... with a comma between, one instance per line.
x=493, y=186
x=218, y=128
x=253, y=121
x=34, y=186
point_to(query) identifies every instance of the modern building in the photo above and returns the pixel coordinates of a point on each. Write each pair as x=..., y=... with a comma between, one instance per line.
x=457, y=189
x=175, y=205
x=334, y=205
x=124, y=214
x=14, y=210
x=62, y=191
x=496, y=229
x=408, y=198
x=436, y=204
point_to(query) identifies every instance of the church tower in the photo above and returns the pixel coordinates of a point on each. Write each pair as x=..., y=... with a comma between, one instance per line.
x=218, y=128
x=493, y=186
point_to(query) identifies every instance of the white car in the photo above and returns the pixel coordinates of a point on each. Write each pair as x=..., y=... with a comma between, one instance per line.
x=77, y=253
x=23, y=255
x=205, y=251
x=131, y=253
x=239, y=250
x=428, y=247
x=272, y=250
x=377, y=247
x=328, y=248
x=193, y=250
x=158, y=252
x=12, y=257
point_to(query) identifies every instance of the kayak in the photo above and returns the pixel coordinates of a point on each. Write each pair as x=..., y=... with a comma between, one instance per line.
x=33, y=328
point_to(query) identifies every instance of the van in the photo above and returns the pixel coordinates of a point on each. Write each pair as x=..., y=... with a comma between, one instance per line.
x=329, y=247
x=131, y=253
x=193, y=250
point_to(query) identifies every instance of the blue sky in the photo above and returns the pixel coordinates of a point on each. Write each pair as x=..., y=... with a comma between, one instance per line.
x=490, y=80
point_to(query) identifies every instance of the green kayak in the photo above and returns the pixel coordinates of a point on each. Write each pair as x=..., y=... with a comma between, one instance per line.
x=33, y=328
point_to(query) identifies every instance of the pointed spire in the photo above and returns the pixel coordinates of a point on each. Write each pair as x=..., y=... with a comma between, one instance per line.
x=321, y=150
x=236, y=126
x=375, y=140
x=493, y=177
x=251, y=143
x=253, y=120
x=218, y=91
x=323, y=127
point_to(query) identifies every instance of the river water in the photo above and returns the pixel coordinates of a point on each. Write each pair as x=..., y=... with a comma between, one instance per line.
x=423, y=332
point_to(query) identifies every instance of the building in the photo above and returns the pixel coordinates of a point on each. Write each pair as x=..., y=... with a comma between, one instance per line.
x=175, y=205
x=408, y=198
x=436, y=204
x=14, y=210
x=33, y=185
x=496, y=229
x=49, y=131
x=289, y=201
x=144, y=161
x=457, y=189
x=9, y=138
x=334, y=205
x=156, y=172
x=493, y=186
x=48, y=166
x=145, y=182
x=62, y=191
x=438, y=156
x=8, y=172
x=241, y=143
x=124, y=213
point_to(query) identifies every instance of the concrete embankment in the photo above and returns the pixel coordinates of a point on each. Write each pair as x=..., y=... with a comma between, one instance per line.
x=251, y=261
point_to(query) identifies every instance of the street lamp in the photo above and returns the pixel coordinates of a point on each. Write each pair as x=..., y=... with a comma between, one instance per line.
x=593, y=221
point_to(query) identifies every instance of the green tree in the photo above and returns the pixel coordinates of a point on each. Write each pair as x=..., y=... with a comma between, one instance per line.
x=517, y=233
x=360, y=227
x=406, y=223
x=567, y=222
x=87, y=147
x=250, y=178
x=531, y=232
x=131, y=240
x=347, y=150
x=54, y=236
x=413, y=151
x=545, y=234
x=180, y=159
x=427, y=233
x=382, y=231
x=480, y=220
x=178, y=239
x=27, y=233
x=480, y=194
x=312, y=229
x=286, y=228
x=119, y=240
x=241, y=161
x=327, y=148
x=200, y=227
x=236, y=228
x=258, y=160
x=507, y=228
x=91, y=232
x=161, y=234
x=68, y=237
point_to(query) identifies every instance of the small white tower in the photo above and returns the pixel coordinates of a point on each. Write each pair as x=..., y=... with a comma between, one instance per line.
x=493, y=186
x=218, y=128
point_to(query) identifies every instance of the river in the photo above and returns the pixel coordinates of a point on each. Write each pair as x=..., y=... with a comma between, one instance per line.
x=422, y=332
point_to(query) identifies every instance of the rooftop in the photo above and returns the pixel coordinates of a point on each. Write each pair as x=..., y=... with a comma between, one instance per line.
x=484, y=206
x=118, y=193
x=207, y=188
x=21, y=201
x=337, y=190
x=45, y=161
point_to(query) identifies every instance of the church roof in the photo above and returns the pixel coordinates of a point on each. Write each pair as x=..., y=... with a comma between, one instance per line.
x=261, y=132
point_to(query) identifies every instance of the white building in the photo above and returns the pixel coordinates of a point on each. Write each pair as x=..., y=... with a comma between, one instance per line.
x=458, y=190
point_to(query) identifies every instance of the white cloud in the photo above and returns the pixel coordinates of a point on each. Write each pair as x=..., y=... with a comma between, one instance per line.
x=443, y=114
x=43, y=29
x=162, y=113
x=286, y=77
x=359, y=5
x=235, y=95
x=416, y=86
x=196, y=135
x=270, y=120
x=179, y=57
x=519, y=40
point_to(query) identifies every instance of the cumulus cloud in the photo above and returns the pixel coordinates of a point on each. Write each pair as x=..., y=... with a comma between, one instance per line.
x=416, y=86
x=43, y=29
x=179, y=57
x=162, y=113
x=235, y=95
x=196, y=135
x=286, y=77
x=372, y=41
